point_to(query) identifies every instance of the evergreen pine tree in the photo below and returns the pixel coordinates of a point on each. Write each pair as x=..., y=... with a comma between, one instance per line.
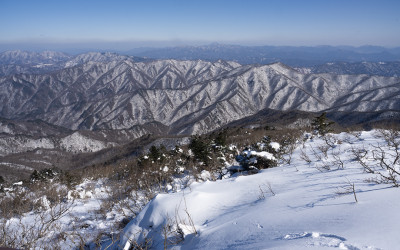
x=199, y=147
x=321, y=124
x=154, y=153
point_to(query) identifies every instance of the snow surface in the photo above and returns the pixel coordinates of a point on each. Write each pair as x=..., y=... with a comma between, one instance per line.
x=82, y=218
x=296, y=206
x=299, y=205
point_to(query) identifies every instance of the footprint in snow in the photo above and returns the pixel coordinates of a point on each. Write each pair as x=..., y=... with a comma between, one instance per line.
x=325, y=240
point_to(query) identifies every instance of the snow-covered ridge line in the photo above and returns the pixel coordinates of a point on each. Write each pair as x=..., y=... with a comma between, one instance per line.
x=75, y=143
x=188, y=97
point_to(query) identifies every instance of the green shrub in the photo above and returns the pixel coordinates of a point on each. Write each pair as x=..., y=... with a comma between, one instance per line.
x=221, y=137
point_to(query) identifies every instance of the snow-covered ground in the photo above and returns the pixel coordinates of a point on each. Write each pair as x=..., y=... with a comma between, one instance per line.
x=307, y=202
x=294, y=206
x=85, y=215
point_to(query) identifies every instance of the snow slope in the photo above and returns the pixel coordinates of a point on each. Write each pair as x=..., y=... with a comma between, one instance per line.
x=298, y=206
x=305, y=204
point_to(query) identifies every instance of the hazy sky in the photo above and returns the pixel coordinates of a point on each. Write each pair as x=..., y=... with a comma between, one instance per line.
x=178, y=22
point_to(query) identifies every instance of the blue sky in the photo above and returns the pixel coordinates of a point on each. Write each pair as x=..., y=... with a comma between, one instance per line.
x=185, y=22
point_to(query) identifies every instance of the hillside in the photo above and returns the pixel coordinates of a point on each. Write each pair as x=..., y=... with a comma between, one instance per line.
x=294, y=206
x=332, y=191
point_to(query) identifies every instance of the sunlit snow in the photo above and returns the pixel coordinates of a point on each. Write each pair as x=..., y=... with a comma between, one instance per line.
x=296, y=206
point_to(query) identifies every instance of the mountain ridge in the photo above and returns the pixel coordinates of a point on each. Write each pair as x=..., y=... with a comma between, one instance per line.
x=371, y=60
x=296, y=56
x=197, y=96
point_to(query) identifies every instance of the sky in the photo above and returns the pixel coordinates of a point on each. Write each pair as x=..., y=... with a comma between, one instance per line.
x=129, y=24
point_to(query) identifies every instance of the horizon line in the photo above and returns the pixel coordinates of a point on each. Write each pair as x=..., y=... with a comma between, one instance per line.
x=106, y=46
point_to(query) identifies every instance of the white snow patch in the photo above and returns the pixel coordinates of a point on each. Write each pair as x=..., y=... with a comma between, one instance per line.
x=263, y=154
x=275, y=145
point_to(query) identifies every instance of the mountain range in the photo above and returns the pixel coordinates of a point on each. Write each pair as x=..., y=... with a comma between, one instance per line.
x=76, y=111
x=108, y=91
x=303, y=56
x=371, y=60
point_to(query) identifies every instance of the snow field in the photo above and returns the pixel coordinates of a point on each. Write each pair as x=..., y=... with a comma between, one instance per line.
x=298, y=206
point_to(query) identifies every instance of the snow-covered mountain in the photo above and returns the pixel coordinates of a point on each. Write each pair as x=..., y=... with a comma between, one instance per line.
x=185, y=96
x=104, y=57
x=17, y=62
x=369, y=68
x=25, y=62
x=32, y=58
x=295, y=56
